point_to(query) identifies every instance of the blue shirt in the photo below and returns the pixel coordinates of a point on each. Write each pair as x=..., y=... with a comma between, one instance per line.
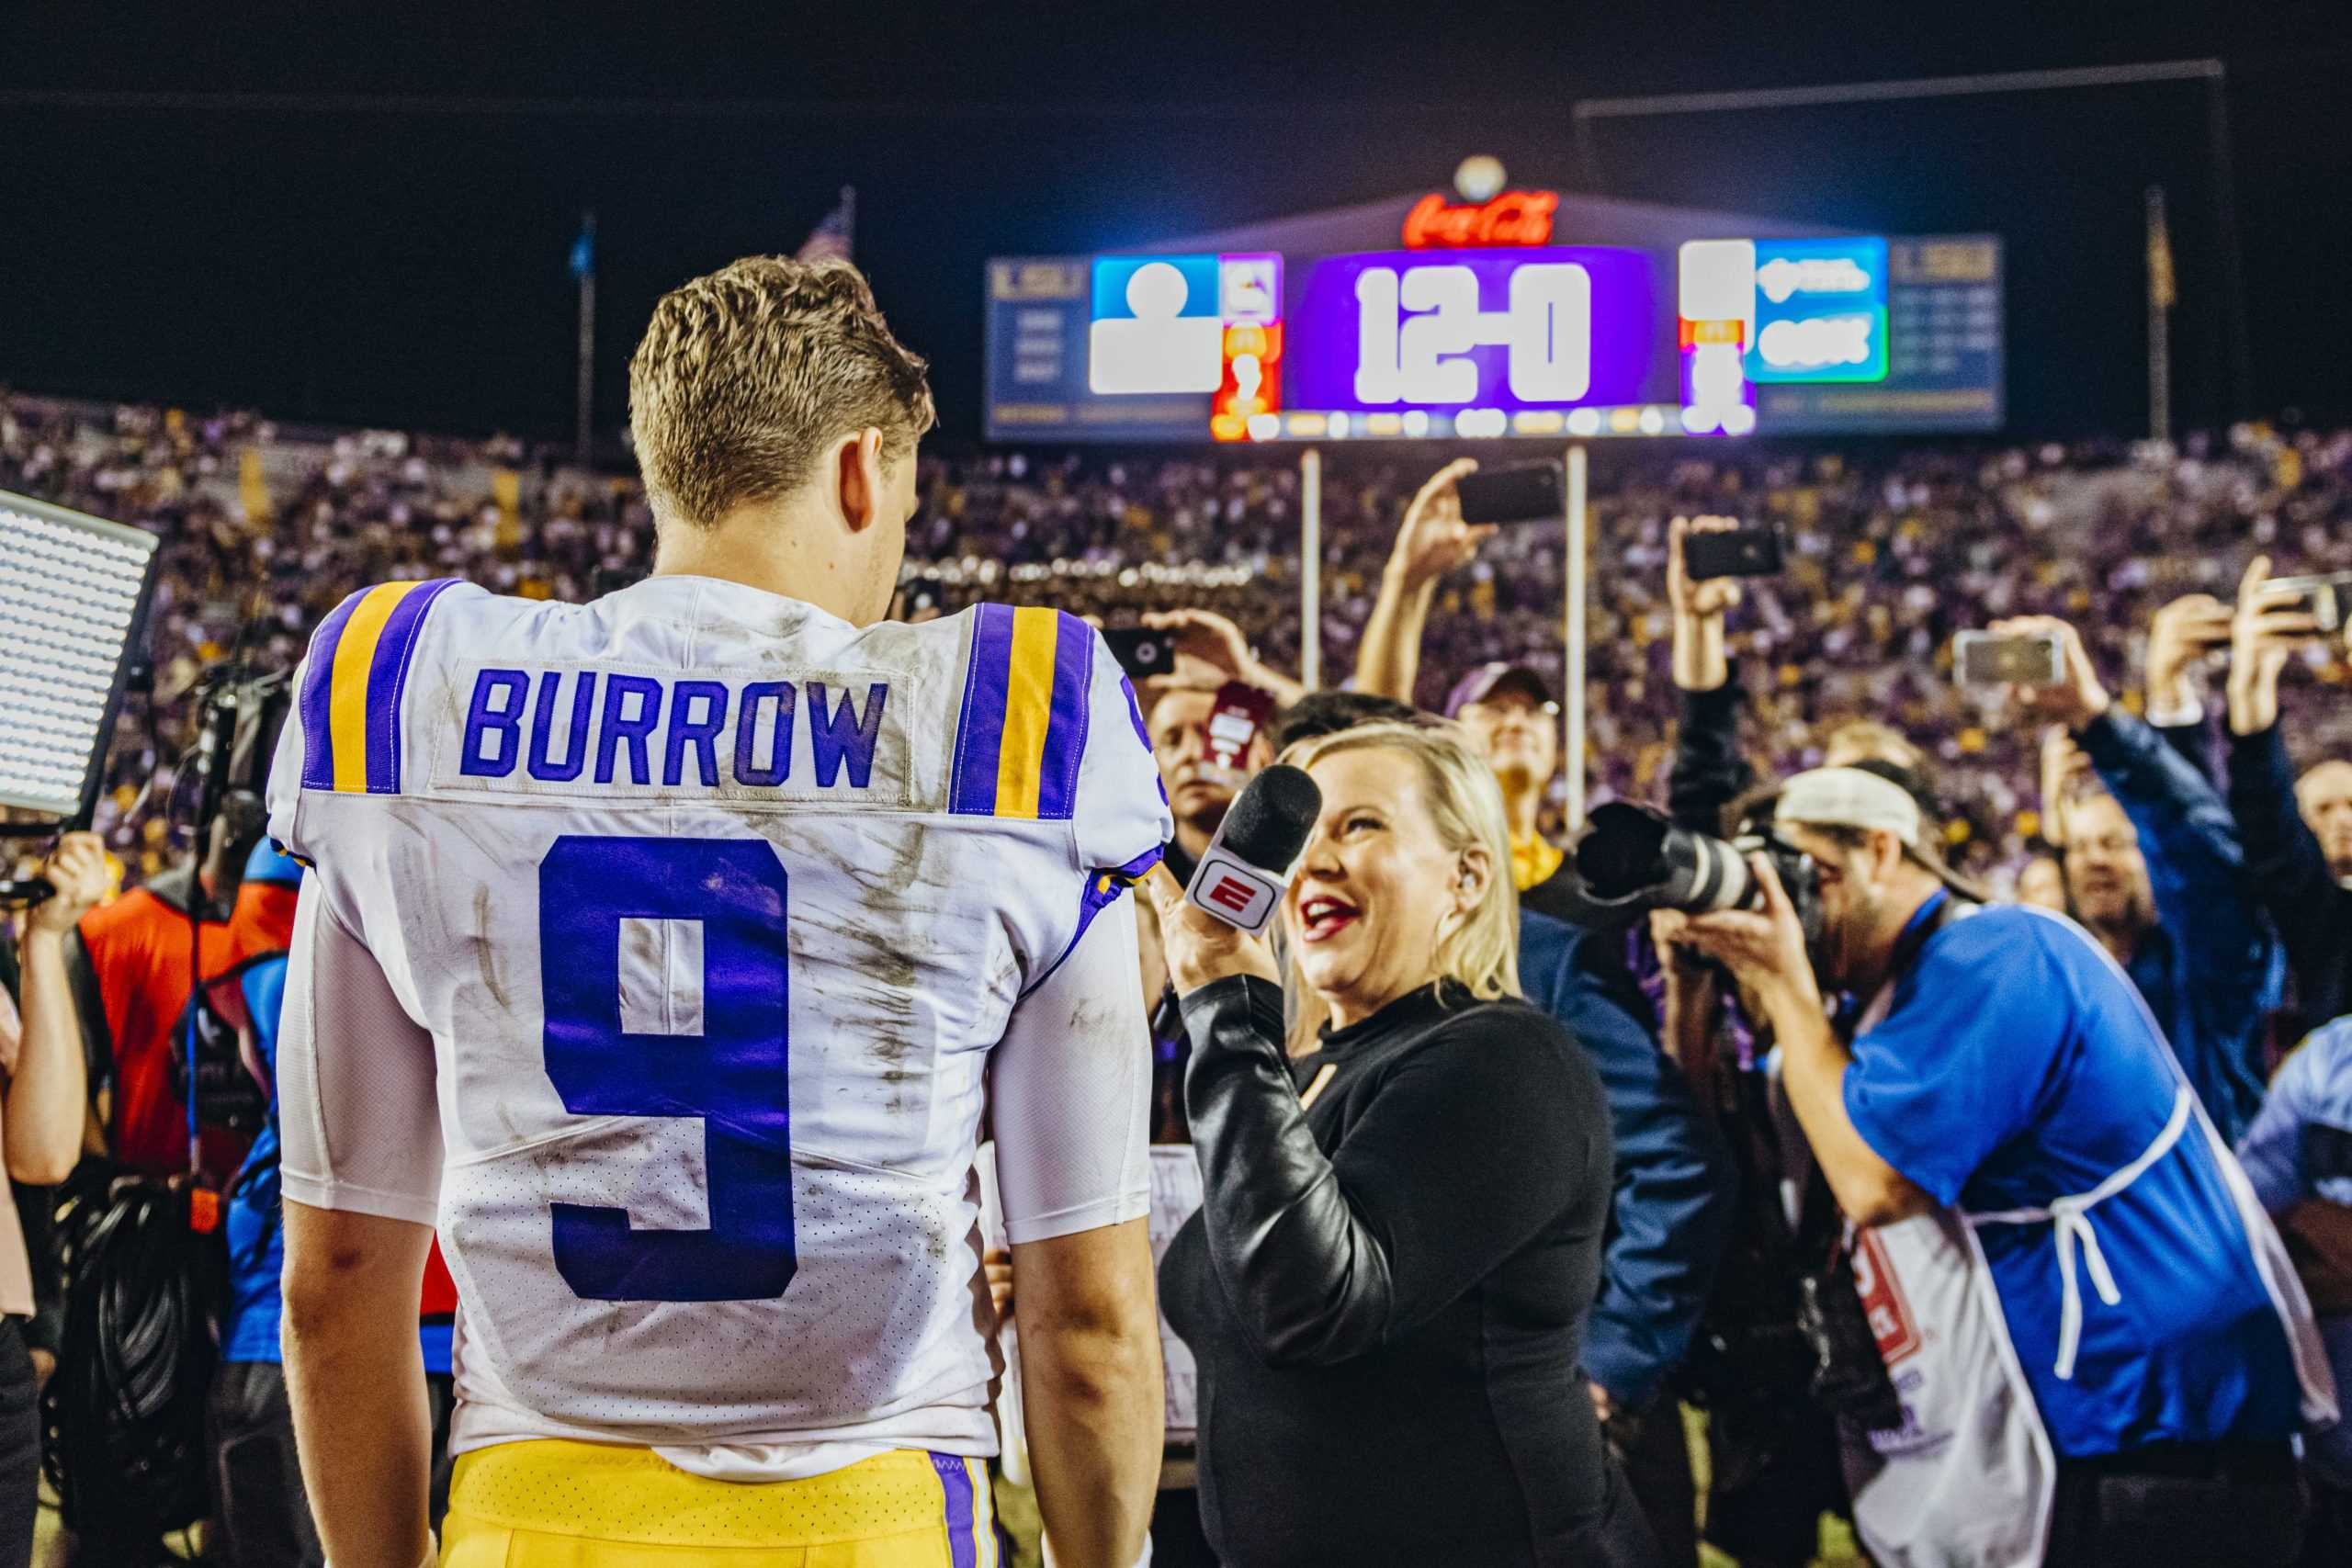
x=2016, y=1066
x=255, y=1230
x=2301, y=1146
x=1675, y=1189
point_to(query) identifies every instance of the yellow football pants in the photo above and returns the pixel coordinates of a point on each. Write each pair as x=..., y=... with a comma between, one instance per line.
x=558, y=1505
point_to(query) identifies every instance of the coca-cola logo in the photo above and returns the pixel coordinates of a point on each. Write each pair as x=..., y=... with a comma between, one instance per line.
x=1514, y=218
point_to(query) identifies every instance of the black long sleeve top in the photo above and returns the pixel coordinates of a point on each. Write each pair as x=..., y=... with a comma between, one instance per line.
x=1383, y=1288
x=2288, y=874
x=1709, y=771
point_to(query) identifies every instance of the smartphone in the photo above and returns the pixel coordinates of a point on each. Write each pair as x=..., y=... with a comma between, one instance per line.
x=1141, y=651
x=1514, y=492
x=2327, y=598
x=1989, y=659
x=1733, y=552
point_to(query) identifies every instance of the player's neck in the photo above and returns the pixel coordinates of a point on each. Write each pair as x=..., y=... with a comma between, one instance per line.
x=765, y=550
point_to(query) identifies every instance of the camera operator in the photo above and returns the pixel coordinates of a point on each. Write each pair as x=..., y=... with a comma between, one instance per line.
x=1404, y=1209
x=2005, y=1067
x=2298, y=833
x=138, y=951
x=2154, y=870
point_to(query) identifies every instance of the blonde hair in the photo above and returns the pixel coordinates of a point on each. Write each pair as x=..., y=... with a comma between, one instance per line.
x=1481, y=953
x=743, y=377
x=1863, y=739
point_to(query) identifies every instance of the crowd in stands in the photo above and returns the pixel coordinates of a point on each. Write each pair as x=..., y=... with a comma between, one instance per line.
x=267, y=528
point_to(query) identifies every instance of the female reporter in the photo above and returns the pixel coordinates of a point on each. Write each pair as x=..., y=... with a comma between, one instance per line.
x=1404, y=1210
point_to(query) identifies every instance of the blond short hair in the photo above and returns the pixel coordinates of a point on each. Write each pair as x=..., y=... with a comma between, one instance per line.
x=1481, y=954
x=745, y=376
x=1863, y=739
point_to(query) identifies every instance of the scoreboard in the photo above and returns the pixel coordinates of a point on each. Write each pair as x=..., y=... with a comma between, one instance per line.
x=1482, y=326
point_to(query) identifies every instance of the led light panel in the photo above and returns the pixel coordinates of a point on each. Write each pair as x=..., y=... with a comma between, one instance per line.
x=70, y=592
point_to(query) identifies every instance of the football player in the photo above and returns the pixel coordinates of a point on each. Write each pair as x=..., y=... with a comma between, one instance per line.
x=659, y=953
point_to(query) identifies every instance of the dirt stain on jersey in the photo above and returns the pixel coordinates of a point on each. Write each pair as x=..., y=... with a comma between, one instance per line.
x=486, y=948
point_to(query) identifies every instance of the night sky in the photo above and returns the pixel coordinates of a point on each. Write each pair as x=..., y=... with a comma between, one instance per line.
x=363, y=216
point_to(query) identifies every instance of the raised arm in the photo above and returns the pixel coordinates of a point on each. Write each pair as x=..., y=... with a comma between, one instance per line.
x=2284, y=863
x=1708, y=771
x=49, y=1093
x=2183, y=633
x=1432, y=541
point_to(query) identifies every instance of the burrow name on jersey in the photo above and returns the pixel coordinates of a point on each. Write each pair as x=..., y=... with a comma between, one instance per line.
x=572, y=729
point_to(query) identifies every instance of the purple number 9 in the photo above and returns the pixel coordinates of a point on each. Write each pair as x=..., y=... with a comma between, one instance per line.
x=733, y=1075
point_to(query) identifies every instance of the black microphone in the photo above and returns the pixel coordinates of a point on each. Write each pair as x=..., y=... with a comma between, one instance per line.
x=1245, y=869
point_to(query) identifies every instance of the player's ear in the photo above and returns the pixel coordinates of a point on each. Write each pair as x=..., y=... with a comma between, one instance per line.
x=858, y=469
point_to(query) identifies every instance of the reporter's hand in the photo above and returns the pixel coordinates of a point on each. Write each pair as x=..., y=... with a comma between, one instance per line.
x=1433, y=539
x=1198, y=948
x=2078, y=697
x=2266, y=631
x=1766, y=952
x=77, y=869
x=2183, y=632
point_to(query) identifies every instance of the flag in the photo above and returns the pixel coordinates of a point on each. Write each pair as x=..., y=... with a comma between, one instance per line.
x=829, y=240
x=584, y=248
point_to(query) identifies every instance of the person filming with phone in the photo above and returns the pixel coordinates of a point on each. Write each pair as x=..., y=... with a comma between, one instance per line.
x=2154, y=869
x=1405, y=1198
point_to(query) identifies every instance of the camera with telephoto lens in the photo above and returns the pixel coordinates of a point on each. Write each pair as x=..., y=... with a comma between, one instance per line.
x=1631, y=859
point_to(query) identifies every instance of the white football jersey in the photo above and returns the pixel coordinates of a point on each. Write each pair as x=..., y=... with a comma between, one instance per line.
x=713, y=906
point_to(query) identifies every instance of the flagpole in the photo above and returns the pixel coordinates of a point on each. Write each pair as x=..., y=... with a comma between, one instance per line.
x=2160, y=298
x=583, y=431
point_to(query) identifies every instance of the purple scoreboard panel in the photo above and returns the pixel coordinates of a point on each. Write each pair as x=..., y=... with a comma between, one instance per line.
x=1550, y=327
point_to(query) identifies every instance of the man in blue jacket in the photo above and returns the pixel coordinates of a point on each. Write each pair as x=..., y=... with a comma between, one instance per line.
x=2155, y=872
x=1676, y=1196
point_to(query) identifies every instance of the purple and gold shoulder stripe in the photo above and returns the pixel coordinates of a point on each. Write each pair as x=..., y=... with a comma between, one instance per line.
x=1023, y=729
x=350, y=701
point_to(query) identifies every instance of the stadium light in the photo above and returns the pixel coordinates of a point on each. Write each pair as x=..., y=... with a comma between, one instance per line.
x=73, y=595
x=1480, y=177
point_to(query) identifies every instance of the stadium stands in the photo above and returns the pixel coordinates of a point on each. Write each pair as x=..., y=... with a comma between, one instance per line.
x=1891, y=553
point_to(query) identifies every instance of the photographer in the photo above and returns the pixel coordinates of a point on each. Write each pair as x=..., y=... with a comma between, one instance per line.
x=2154, y=870
x=2003, y=1068
x=1404, y=1212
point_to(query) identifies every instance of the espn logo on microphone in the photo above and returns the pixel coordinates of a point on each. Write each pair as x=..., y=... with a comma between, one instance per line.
x=1234, y=891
